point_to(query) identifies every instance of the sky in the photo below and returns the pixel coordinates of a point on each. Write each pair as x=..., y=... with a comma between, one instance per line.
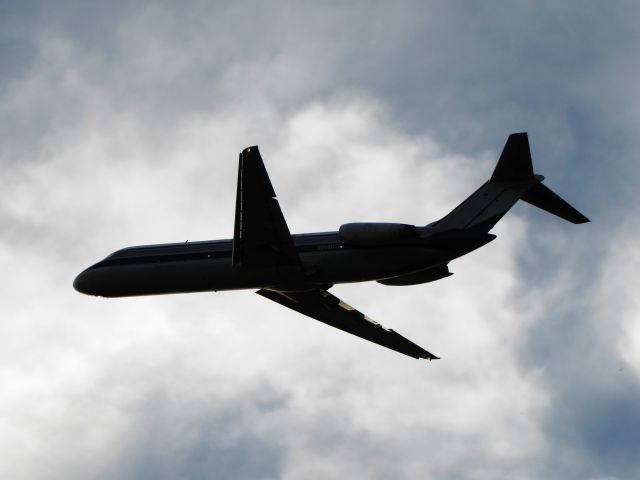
x=120, y=124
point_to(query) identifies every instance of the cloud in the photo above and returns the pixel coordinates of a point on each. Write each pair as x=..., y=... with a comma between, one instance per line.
x=122, y=126
x=140, y=364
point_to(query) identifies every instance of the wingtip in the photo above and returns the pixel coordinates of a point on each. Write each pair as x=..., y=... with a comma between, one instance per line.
x=577, y=218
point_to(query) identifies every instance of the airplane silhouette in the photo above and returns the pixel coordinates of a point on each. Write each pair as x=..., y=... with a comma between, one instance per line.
x=297, y=270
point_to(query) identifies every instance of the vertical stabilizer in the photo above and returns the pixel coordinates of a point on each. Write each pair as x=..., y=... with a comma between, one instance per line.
x=512, y=178
x=514, y=164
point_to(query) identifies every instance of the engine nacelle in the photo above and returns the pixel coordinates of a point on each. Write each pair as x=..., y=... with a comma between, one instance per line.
x=374, y=234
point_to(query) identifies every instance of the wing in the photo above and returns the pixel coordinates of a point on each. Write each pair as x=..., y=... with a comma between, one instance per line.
x=323, y=306
x=261, y=237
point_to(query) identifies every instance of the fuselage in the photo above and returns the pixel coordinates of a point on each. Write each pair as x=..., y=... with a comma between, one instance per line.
x=207, y=266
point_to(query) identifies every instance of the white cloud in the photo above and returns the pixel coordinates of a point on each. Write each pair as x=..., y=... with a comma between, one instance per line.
x=125, y=129
x=618, y=286
x=86, y=374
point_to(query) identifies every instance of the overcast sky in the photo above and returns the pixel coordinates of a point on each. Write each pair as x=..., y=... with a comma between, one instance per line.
x=120, y=124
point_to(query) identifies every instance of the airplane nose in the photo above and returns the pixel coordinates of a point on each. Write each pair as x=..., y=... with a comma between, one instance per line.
x=83, y=283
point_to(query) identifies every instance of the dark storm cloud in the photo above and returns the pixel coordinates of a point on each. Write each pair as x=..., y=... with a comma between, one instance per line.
x=15, y=31
x=593, y=393
x=576, y=341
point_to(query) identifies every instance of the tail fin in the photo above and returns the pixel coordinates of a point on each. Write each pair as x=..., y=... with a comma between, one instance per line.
x=512, y=179
x=514, y=164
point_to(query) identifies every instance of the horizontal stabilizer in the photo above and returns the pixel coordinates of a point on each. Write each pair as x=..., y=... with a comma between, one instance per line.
x=542, y=197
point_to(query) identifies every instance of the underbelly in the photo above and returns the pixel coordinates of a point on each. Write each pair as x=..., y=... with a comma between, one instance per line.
x=345, y=266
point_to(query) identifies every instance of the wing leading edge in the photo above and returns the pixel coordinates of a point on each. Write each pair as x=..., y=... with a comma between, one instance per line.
x=321, y=305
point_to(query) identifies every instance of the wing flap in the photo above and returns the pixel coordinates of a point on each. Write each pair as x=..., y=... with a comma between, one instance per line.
x=321, y=305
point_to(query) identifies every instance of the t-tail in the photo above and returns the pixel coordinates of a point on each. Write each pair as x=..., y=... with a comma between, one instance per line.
x=512, y=180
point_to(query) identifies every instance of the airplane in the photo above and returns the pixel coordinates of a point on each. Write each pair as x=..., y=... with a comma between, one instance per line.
x=297, y=271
